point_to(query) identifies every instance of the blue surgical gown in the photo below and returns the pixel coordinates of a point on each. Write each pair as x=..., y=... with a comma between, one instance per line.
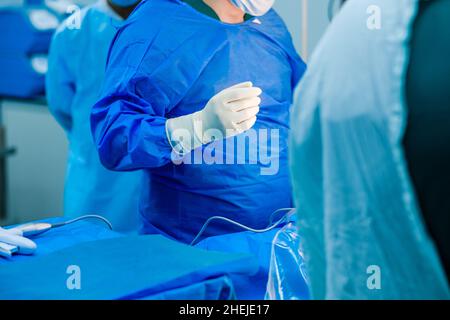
x=76, y=70
x=168, y=60
x=360, y=227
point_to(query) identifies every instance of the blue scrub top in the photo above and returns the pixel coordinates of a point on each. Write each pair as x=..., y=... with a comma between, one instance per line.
x=168, y=60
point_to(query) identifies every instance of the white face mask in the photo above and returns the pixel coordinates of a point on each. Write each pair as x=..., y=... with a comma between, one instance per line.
x=255, y=8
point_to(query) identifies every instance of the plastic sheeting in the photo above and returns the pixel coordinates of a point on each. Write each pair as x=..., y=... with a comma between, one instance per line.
x=361, y=229
x=287, y=273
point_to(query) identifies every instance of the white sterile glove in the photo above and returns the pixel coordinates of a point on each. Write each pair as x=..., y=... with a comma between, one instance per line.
x=25, y=246
x=229, y=113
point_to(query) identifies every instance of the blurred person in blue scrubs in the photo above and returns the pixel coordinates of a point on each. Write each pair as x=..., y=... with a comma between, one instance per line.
x=194, y=66
x=369, y=153
x=77, y=63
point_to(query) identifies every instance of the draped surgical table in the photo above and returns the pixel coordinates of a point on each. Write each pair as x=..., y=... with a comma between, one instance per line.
x=87, y=261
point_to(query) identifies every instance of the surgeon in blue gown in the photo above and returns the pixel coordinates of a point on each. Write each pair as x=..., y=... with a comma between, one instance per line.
x=76, y=69
x=167, y=62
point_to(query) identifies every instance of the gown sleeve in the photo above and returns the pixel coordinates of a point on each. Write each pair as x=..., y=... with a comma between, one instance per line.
x=128, y=122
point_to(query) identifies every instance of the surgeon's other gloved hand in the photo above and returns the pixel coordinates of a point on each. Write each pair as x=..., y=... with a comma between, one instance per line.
x=25, y=246
x=229, y=113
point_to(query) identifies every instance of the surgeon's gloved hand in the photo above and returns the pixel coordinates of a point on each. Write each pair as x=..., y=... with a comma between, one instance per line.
x=229, y=113
x=25, y=246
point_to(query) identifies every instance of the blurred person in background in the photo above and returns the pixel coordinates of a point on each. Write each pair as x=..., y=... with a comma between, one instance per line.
x=77, y=63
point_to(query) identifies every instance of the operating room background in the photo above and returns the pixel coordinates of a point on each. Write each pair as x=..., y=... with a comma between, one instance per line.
x=36, y=173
